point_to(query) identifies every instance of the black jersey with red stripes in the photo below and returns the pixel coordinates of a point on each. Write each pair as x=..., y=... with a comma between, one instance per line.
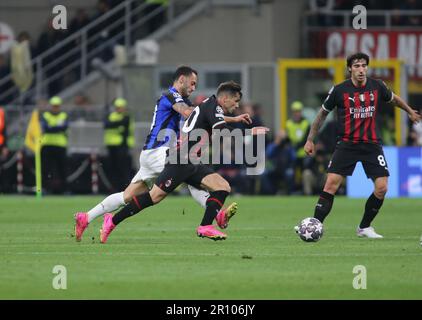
x=197, y=129
x=357, y=109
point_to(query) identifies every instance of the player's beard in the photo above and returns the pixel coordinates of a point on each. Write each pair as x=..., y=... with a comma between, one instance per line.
x=184, y=92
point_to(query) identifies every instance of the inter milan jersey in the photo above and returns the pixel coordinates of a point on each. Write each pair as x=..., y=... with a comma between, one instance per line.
x=198, y=127
x=357, y=108
x=165, y=123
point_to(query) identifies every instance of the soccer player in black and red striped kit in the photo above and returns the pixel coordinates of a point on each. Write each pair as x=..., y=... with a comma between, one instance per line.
x=358, y=100
x=188, y=166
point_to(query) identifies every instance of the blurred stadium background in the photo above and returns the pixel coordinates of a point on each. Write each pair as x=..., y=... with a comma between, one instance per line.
x=280, y=51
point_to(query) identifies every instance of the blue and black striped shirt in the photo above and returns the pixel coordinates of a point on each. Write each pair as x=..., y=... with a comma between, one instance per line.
x=166, y=121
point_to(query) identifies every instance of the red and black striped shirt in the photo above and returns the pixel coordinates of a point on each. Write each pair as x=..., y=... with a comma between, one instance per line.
x=357, y=108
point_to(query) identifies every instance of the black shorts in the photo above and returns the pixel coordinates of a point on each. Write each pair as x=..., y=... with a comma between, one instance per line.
x=174, y=174
x=347, y=154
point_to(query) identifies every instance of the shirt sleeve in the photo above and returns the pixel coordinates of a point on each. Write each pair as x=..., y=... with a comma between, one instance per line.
x=215, y=117
x=172, y=98
x=188, y=102
x=385, y=93
x=330, y=101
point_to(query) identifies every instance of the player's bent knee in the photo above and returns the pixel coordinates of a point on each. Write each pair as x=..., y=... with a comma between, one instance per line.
x=157, y=194
x=380, y=191
x=128, y=194
x=331, y=188
x=225, y=186
x=133, y=190
x=157, y=197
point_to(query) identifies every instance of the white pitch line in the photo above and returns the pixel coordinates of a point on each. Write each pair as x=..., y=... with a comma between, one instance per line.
x=214, y=254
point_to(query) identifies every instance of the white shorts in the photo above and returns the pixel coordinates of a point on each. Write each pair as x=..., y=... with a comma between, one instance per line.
x=151, y=163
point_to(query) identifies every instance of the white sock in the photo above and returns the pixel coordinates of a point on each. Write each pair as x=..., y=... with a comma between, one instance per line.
x=109, y=204
x=200, y=196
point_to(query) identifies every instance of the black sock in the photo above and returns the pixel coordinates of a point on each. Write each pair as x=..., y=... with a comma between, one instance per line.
x=324, y=205
x=214, y=203
x=372, y=206
x=133, y=207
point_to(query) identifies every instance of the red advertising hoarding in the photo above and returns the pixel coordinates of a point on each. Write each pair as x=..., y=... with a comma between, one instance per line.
x=403, y=45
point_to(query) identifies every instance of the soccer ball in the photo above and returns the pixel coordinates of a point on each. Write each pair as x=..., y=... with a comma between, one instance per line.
x=310, y=230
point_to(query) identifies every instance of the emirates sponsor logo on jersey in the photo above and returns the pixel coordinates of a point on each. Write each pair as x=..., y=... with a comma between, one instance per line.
x=362, y=113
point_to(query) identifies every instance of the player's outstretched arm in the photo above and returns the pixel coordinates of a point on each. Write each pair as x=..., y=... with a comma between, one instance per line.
x=316, y=125
x=245, y=118
x=183, y=109
x=414, y=116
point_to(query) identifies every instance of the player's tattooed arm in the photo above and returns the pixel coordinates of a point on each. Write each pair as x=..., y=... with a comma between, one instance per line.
x=316, y=125
x=414, y=116
x=183, y=109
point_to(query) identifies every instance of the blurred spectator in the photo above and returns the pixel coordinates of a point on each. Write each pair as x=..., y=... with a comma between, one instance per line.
x=119, y=138
x=53, y=62
x=114, y=3
x=279, y=170
x=54, y=124
x=80, y=20
x=4, y=66
x=297, y=129
x=156, y=13
x=408, y=20
x=320, y=8
x=102, y=8
x=8, y=85
x=24, y=36
x=99, y=34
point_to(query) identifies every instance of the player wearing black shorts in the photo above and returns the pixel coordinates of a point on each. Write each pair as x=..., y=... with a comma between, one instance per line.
x=186, y=166
x=357, y=101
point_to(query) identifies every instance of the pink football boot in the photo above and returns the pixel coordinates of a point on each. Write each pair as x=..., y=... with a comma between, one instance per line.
x=224, y=215
x=210, y=232
x=108, y=226
x=81, y=222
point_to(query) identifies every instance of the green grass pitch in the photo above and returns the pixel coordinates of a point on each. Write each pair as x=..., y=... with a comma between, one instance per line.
x=157, y=255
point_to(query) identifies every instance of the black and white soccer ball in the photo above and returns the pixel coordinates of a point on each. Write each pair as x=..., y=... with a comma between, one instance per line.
x=310, y=230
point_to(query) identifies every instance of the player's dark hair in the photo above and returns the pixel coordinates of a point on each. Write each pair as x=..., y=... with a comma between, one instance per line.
x=357, y=56
x=183, y=71
x=230, y=87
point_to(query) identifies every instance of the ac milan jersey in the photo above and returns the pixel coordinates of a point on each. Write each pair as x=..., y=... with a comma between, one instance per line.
x=197, y=128
x=357, y=108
